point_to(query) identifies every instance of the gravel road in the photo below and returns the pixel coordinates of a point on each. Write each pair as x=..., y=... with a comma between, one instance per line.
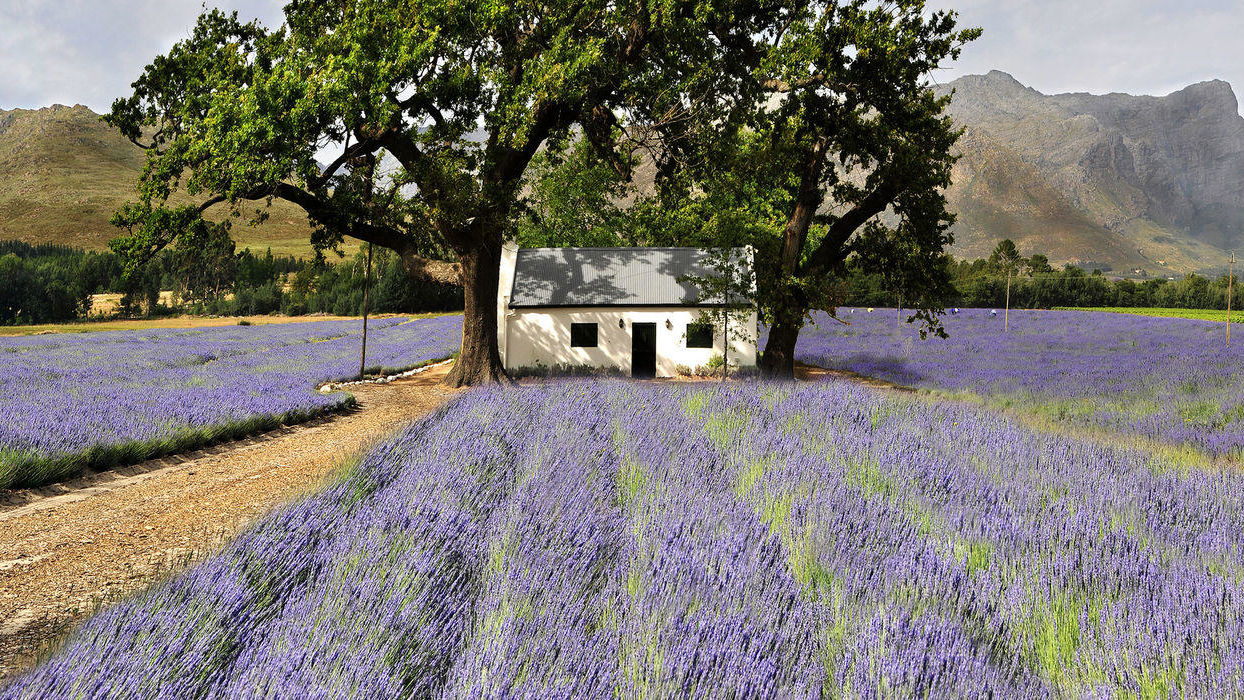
x=68, y=550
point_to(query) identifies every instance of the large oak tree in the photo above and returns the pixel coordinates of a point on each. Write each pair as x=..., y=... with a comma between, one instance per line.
x=858, y=127
x=837, y=152
x=433, y=110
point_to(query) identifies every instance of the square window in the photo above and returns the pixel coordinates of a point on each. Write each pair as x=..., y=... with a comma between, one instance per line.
x=583, y=335
x=699, y=335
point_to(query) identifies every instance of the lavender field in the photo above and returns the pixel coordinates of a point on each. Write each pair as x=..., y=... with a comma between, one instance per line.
x=605, y=539
x=79, y=401
x=1169, y=379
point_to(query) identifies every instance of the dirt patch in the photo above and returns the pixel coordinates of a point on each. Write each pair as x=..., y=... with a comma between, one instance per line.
x=93, y=541
x=812, y=373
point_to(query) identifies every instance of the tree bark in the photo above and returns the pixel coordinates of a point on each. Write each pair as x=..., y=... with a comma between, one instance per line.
x=778, y=361
x=479, y=361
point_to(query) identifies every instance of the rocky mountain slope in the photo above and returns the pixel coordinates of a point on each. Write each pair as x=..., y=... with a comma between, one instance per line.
x=1113, y=181
x=63, y=172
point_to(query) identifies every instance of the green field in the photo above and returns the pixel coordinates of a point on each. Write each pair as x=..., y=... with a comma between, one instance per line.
x=1237, y=316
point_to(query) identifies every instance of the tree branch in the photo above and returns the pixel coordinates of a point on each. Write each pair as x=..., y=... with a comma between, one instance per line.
x=831, y=249
x=598, y=127
x=360, y=147
x=814, y=80
x=421, y=101
x=326, y=215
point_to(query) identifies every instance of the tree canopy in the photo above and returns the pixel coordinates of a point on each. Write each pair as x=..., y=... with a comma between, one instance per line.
x=833, y=148
x=808, y=130
x=433, y=111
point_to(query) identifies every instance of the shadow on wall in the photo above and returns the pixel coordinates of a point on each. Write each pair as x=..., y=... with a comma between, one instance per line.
x=587, y=277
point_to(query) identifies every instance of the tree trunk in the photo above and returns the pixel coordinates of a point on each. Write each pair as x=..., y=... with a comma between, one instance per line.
x=778, y=361
x=479, y=362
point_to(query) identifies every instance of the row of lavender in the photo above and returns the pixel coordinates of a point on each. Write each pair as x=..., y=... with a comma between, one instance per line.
x=1170, y=379
x=95, y=399
x=611, y=539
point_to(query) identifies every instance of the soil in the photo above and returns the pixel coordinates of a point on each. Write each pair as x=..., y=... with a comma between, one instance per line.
x=812, y=373
x=69, y=549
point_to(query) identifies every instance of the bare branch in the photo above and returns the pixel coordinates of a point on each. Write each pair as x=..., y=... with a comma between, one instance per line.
x=833, y=246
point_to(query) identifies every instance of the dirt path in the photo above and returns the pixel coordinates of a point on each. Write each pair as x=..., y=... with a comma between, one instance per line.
x=66, y=551
x=812, y=373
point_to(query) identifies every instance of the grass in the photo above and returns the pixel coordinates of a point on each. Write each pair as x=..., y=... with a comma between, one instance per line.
x=1237, y=316
x=186, y=322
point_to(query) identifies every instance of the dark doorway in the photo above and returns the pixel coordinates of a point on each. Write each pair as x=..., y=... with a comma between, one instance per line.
x=644, y=350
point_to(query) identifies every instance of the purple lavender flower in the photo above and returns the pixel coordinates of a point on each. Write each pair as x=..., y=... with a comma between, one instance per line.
x=1170, y=379
x=594, y=539
x=88, y=400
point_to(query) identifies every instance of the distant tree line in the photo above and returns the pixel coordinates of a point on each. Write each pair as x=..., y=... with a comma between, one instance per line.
x=1035, y=284
x=52, y=283
x=335, y=289
x=45, y=283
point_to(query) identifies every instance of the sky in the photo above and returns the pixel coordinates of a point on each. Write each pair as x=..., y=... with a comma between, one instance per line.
x=89, y=51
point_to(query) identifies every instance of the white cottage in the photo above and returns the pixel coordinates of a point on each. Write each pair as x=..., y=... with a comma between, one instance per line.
x=612, y=307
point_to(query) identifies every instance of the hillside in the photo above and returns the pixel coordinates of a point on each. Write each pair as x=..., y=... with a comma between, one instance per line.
x=63, y=172
x=1114, y=181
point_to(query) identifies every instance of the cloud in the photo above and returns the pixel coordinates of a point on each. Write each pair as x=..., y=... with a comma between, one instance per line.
x=1133, y=46
x=89, y=51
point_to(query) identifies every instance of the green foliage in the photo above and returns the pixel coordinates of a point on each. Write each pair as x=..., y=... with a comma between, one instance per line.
x=1199, y=314
x=47, y=283
x=1036, y=284
x=982, y=283
x=338, y=289
x=574, y=199
x=41, y=284
x=831, y=149
x=1006, y=257
x=631, y=481
x=849, y=150
x=437, y=109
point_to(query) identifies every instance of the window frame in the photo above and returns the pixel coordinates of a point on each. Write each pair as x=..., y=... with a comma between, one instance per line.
x=582, y=327
x=697, y=327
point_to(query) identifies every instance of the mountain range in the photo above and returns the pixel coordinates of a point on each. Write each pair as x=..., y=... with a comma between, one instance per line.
x=1113, y=181
x=1119, y=182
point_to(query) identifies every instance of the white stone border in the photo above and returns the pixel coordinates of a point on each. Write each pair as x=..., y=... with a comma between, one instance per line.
x=338, y=386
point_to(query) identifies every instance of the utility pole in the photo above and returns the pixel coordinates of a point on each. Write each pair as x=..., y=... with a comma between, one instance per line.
x=366, y=291
x=1230, y=274
x=1006, y=315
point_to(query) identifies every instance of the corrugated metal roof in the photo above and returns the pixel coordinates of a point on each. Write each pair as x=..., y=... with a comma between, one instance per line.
x=545, y=277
